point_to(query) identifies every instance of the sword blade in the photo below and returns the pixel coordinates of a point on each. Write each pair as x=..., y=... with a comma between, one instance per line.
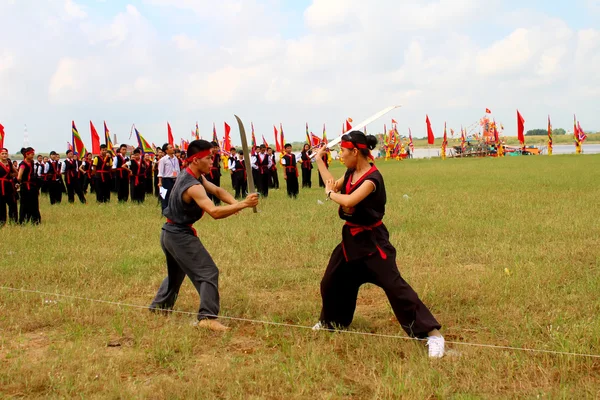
x=364, y=123
x=247, y=161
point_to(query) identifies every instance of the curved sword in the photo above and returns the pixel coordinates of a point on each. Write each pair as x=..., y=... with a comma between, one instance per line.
x=360, y=126
x=247, y=161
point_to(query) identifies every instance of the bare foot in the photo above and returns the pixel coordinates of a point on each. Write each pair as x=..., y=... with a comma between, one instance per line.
x=213, y=325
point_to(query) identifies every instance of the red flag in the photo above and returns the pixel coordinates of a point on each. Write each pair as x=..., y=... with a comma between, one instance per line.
x=521, y=128
x=314, y=140
x=281, y=137
x=430, y=137
x=278, y=146
x=394, y=121
x=95, y=140
x=170, y=134
x=253, y=151
x=488, y=111
x=348, y=126
x=1, y=136
x=227, y=139
x=265, y=141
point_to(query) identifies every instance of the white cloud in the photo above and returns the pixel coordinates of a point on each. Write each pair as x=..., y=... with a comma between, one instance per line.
x=74, y=10
x=242, y=56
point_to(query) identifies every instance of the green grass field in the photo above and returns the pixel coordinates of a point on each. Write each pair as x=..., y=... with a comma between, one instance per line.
x=504, y=252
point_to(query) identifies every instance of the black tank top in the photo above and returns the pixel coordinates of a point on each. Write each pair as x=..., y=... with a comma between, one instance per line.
x=182, y=215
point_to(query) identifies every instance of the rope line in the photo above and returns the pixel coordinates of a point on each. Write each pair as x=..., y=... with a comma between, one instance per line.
x=288, y=325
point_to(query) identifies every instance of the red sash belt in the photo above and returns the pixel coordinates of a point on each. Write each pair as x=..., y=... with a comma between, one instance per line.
x=263, y=168
x=306, y=164
x=188, y=225
x=2, y=180
x=355, y=229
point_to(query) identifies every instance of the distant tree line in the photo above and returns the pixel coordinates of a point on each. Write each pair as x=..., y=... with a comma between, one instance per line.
x=544, y=132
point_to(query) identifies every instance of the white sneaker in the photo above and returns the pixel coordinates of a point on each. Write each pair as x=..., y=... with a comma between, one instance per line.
x=318, y=326
x=436, y=346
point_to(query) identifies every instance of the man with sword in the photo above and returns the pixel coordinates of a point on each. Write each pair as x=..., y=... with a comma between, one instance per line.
x=183, y=249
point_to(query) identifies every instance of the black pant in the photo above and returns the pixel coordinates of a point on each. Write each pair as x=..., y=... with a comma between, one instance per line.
x=342, y=279
x=187, y=256
x=167, y=183
x=321, y=183
x=273, y=179
x=215, y=179
x=149, y=185
x=240, y=184
x=306, y=181
x=138, y=192
x=264, y=182
x=103, y=184
x=156, y=189
x=55, y=191
x=30, y=205
x=74, y=187
x=8, y=200
x=123, y=188
x=292, y=182
x=257, y=181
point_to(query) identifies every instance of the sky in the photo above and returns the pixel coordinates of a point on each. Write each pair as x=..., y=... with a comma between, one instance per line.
x=292, y=62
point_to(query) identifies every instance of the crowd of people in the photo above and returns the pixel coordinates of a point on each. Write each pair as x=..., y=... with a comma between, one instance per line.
x=136, y=176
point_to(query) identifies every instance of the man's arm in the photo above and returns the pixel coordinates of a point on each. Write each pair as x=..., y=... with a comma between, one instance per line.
x=221, y=193
x=197, y=193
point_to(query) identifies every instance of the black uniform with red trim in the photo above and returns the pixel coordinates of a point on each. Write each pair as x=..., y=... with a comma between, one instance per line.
x=54, y=181
x=240, y=178
x=262, y=162
x=122, y=176
x=291, y=174
x=214, y=176
x=29, y=194
x=326, y=161
x=102, y=178
x=73, y=180
x=138, y=180
x=8, y=193
x=306, y=168
x=366, y=255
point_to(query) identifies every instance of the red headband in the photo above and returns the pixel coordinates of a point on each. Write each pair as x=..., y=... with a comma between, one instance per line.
x=30, y=152
x=346, y=144
x=4, y=149
x=199, y=154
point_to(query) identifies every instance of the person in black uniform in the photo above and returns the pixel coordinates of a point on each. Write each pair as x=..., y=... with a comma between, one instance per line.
x=214, y=175
x=183, y=249
x=86, y=172
x=137, y=166
x=121, y=173
x=239, y=175
x=365, y=253
x=290, y=173
x=28, y=189
x=326, y=162
x=306, y=166
x=71, y=173
x=53, y=181
x=8, y=191
x=101, y=168
x=263, y=162
x=273, y=175
x=149, y=182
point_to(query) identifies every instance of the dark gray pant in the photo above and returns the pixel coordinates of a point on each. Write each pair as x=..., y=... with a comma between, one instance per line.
x=187, y=256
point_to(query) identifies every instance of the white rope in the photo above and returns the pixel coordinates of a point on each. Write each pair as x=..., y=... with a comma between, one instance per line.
x=283, y=324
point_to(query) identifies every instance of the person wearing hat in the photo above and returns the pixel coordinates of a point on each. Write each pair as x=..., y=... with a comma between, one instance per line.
x=8, y=191
x=70, y=171
x=28, y=189
x=214, y=175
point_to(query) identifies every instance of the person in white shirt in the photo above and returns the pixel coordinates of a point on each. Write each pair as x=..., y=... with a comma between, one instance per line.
x=168, y=170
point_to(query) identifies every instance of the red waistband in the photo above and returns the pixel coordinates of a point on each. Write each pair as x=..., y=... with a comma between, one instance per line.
x=191, y=226
x=355, y=229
